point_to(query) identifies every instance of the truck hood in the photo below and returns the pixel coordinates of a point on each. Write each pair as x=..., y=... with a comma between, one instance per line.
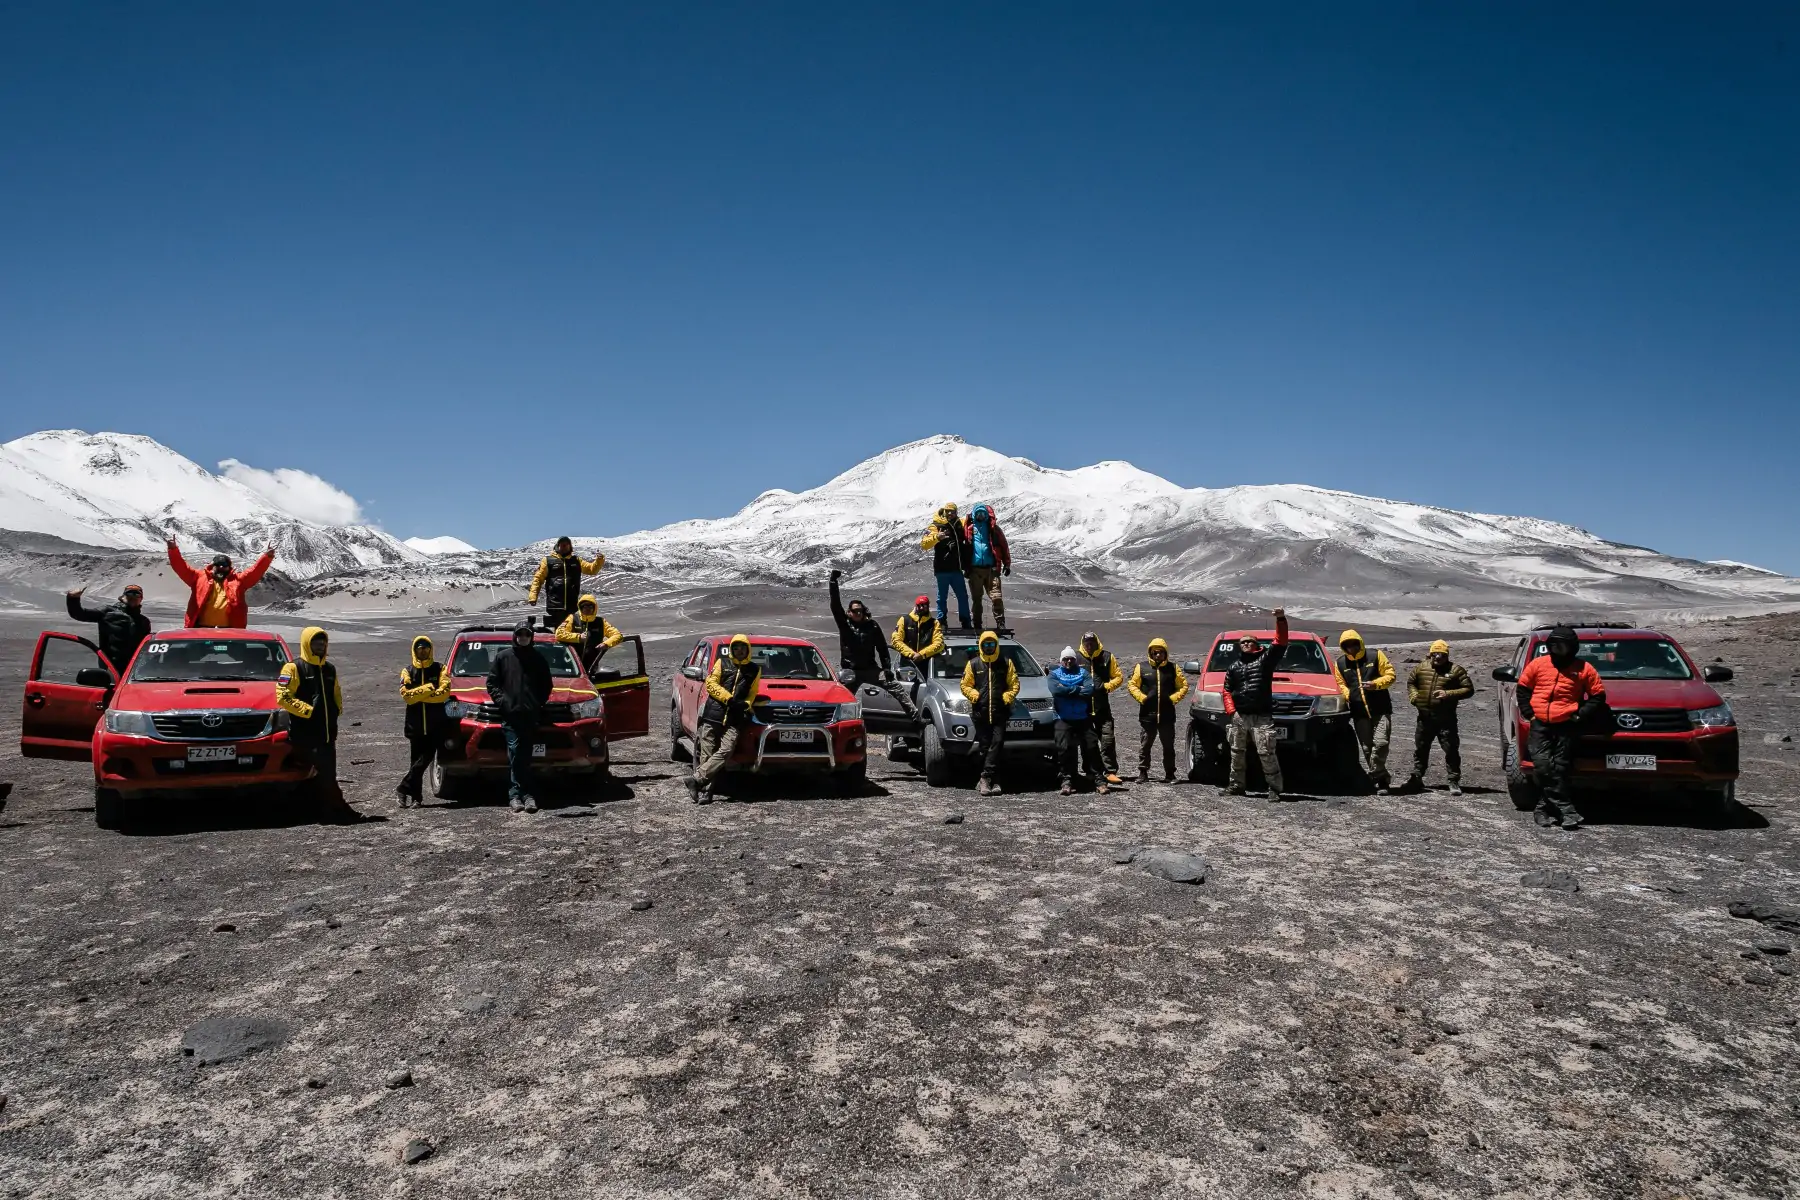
x=1661, y=693
x=1293, y=685
x=174, y=697
x=804, y=691
x=474, y=691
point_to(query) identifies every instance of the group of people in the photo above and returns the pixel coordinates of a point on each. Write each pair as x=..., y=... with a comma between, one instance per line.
x=969, y=555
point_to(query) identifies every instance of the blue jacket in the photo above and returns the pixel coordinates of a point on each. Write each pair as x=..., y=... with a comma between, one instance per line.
x=1073, y=692
x=981, y=544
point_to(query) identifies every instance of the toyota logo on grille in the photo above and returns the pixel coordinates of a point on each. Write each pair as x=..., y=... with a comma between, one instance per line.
x=796, y=710
x=1629, y=720
x=212, y=720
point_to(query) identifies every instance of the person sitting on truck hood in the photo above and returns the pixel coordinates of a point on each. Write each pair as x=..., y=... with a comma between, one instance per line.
x=1557, y=692
x=862, y=655
x=309, y=692
x=123, y=625
x=1365, y=679
x=588, y=632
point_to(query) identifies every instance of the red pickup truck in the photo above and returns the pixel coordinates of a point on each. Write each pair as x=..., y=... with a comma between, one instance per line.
x=1312, y=717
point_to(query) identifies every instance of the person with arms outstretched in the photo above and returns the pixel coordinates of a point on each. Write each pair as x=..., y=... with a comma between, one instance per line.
x=217, y=597
x=558, y=579
x=862, y=654
x=123, y=625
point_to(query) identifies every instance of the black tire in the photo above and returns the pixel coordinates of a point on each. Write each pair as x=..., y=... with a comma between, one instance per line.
x=1204, y=766
x=109, y=808
x=938, y=767
x=677, y=752
x=897, y=749
x=1719, y=802
x=850, y=780
x=1519, y=785
x=444, y=785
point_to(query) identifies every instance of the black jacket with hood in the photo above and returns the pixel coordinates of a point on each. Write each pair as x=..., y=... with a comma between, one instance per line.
x=860, y=646
x=425, y=686
x=120, y=629
x=519, y=683
x=1250, y=682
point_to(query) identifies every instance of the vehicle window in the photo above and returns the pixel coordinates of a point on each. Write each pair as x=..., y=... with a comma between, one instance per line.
x=63, y=660
x=1631, y=658
x=698, y=657
x=1300, y=658
x=790, y=662
x=950, y=664
x=477, y=657
x=196, y=660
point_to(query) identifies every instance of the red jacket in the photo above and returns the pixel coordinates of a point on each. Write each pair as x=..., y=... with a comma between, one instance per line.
x=1555, y=693
x=237, y=613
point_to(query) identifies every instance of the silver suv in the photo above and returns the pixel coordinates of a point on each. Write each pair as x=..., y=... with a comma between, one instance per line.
x=946, y=746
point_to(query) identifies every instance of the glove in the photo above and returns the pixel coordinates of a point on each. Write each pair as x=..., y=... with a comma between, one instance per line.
x=1006, y=570
x=737, y=712
x=836, y=575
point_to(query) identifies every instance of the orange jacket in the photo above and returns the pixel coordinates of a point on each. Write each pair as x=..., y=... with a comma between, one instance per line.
x=237, y=613
x=1557, y=692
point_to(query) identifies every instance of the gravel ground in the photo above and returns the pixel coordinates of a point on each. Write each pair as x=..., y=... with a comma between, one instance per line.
x=850, y=997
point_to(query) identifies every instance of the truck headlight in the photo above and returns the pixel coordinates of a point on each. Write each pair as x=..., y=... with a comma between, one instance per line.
x=453, y=709
x=129, y=721
x=587, y=710
x=850, y=712
x=1213, y=702
x=1328, y=706
x=956, y=702
x=1717, y=717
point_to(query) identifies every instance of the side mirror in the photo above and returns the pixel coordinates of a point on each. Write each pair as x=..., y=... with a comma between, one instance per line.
x=909, y=674
x=1505, y=675
x=694, y=673
x=96, y=677
x=1191, y=666
x=1713, y=673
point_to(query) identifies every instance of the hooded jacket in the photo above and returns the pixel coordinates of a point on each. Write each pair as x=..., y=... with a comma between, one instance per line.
x=917, y=637
x=592, y=635
x=731, y=688
x=120, y=633
x=1072, y=692
x=309, y=691
x=1558, y=695
x=1367, y=677
x=987, y=545
x=425, y=687
x=1157, y=689
x=990, y=683
x=1104, y=665
x=559, y=579
x=948, y=542
x=235, y=609
x=1250, y=682
x=860, y=647
x=1438, y=692
x=518, y=683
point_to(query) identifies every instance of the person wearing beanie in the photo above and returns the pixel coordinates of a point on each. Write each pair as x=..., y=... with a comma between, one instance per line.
x=1365, y=679
x=1103, y=664
x=1072, y=691
x=1435, y=688
x=123, y=625
x=990, y=683
x=519, y=685
x=217, y=599
x=948, y=542
x=1556, y=693
x=1157, y=686
x=989, y=559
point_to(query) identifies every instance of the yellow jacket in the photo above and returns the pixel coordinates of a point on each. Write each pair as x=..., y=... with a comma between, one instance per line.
x=425, y=693
x=931, y=649
x=574, y=627
x=1112, y=682
x=1008, y=692
x=588, y=567
x=718, y=691
x=284, y=687
x=1136, y=687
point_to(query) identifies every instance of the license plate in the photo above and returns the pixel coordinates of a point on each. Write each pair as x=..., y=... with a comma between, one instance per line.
x=212, y=754
x=794, y=735
x=1631, y=762
x=539, y=750
x=1022, y=725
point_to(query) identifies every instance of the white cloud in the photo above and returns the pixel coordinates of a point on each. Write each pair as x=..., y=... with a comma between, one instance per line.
x=300, y=493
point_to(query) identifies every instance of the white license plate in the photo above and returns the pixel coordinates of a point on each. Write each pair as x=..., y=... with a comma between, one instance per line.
x=1631, y=762
x=1283, y=733
x=1022, y=725
x=539, y=750
x=794, y=735
x=212, y=754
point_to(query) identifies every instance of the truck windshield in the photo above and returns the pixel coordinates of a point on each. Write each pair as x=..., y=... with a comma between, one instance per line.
x=1632, y=658
x=192, y=660
x=1300, y=658
x=950, y=664
x=477, y=658
x=789, y=662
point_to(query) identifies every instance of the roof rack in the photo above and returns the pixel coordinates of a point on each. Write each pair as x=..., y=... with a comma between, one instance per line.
x=1586, y=625
x=496, y=627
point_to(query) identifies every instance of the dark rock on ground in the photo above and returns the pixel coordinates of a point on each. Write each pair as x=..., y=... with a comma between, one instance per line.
x=1773, y=915
x=1126, y=854
x=222, y=1039
x=417, y=1150
x=399, y=1079
x=642, y=905
x=1176, y=866
x=1552, y=880
x=954, y=818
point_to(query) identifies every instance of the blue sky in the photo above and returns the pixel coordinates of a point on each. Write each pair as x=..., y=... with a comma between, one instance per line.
x=503, y=270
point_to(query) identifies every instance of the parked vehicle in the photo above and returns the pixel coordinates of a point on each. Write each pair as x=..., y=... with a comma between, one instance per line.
x=194, y=712
x=810, y=724
x=945, y=746
x=583, y=716
x=1312, y=717
x=1668, y=730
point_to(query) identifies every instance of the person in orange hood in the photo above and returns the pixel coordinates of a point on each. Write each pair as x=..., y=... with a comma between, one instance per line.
x=217, y=600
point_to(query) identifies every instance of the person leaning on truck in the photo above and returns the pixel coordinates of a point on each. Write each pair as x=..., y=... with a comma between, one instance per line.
x=559, y=579
x=863, y=658
x=1366, y=679
x=1435, y=687
x=1250, y=699
x=1557, y=692
x=123, y=625
x=990, y=683
x=588, y=633
x=1158, y=687
x=519, y=685
x=731, y=695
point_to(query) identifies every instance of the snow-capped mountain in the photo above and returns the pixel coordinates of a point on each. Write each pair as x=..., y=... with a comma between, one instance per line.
x=126, y=491
x=440, y=545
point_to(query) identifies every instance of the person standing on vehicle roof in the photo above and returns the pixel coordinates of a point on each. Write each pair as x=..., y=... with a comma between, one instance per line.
x=1158, y=687
x=590, y=634
x=731, y=698
x=1365, y=679
x=990, y=683
x=1250, y=699
x=559, y=579
x=123, y=626
x=1557, y=693
x=1435, y=688
x=1104, y=666
x=863, y=656
x=989, y=558
x=217, y=599
x=309, y=692
x=1072, y=691
x=948, y=542
x=425, y=686
x=519, y=685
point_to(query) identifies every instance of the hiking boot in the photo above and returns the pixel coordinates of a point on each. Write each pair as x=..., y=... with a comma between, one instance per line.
x=1234, y=791
x=1113, y=777
x=1456, y=789
x=1381, y=789
x=1143, y=776
x=1413, y=784
x=1572, y=822
x=1068, y=789
x=1169, y=778
x=1544, y=817
x=516, y=803
x=530, y=803
x=1100, y=788
x=693, y=788
x=1274, y=795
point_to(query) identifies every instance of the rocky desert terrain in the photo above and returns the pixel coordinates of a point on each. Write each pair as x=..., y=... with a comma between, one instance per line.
x=796, y=994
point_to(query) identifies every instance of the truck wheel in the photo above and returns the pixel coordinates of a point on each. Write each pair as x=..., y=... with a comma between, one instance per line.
x=677, y=751
x=898, y=750
x=1519, y=785
x=444, y=785
x=850, y=780
x=937, y=759
x=109, y=808
x=1204, y=766
x=1720, y=802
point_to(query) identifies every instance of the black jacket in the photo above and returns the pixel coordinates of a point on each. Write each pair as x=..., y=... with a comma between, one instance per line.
x=519, y=685
x=120, y=630
x=422, y=719
x=315, y=684
x=1251, y=681
x=952, y=550
x=860, y=647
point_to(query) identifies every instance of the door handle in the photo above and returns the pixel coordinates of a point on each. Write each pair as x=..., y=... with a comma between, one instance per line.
x=35, y=700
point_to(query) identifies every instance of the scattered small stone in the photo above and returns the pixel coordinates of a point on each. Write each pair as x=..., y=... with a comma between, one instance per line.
x=1260, y=1146
x=1775, y=739
x=333, y=923
x=361, y=762
x=1552, y=880
x=1450, y=1028
x=315, y=1082
x=643, y=905
x=1749, y=954
x=1772, y=947
x=476, y=1003
x=1126, y=854
x=224, y=927
x=399, y=1079
x=1173, y=865
x=2, y=1101
x=1760, y=978
x=954, y=818
x=359, y=723
x=1781, y=968
x=222, y=1039
x=417, y=1150
x=1785, y=919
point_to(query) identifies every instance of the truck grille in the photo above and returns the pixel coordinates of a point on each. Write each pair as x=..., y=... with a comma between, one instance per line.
x=1036, y=704
x=1651, y=720
x=550, y=714
x=209, y=726
x=1291, y=706
x=796, y=714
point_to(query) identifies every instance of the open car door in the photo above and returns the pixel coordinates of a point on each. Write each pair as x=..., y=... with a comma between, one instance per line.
x=881, y=712
x=619, y=676
x=65, y=697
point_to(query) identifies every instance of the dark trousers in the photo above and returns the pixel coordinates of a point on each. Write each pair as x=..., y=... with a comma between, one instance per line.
x=554, y=615
x=1075, y=738
x=1552, y=750
x=519, y=775
x=1109, y=749
x=1164, y=729
x=1440, y=727
x=424, y=749
x=989, y=736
